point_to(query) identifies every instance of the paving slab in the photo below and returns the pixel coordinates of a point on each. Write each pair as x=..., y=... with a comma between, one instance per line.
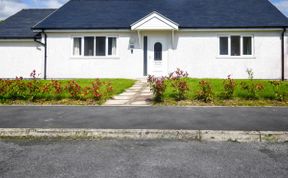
x=116, y=102
x=146, y=94
x=136, y=95
x=122, y=97
x=127, y=94
x=140, y=103
x=135, y=88
x=146, y=91
x=131, y=90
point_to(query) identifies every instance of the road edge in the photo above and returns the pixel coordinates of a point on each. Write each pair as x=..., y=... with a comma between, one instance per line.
x=146, y=134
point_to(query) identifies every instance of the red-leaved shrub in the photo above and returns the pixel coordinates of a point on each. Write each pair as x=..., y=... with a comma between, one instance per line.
x=157, y=86
x=229, y=87
x=73, y=89
x=178, y=80
x=205, y=93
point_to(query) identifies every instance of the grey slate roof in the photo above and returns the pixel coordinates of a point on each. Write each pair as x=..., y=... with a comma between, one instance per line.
x=120, y=14
x=19, y=25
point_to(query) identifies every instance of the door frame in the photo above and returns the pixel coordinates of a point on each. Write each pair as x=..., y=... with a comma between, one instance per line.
x=145, y=55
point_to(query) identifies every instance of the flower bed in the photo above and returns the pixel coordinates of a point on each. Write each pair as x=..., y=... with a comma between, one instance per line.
x=188, y=91
x=35, y=90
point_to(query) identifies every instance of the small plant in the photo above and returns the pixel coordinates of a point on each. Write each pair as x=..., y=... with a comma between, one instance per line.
x=157, y=86
x=108, y=89
x=96, y=90
x=278, y=93
x=4, y=85
x=251, y=87
x=229, y=88
x=99, y=90
x=250, y=73
x=34, y=88
x=34, y=75
x=179, y=83
x=73, y=89
x=17, y=89
x=86, y=91
x=58, y=89
x=46, y=88
x=205, y=93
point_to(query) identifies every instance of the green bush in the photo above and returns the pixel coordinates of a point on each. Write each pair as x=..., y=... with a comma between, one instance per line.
x=178, y=80
x=252, y=88
x=279, y=91
x=205, y=93
x=229, y=86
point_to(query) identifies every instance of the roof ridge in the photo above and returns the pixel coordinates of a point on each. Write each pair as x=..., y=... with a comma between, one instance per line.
x=39, y=8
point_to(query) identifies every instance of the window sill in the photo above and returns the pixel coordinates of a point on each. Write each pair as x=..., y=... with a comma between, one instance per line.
x=93, y=57
x=235, y=57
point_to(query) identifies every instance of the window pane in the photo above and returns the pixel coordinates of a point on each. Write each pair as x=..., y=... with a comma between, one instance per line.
x=223, y=45
x=158, y=51
x=77, y=46
x=89, y=46
x=100, y=46
x=235, y=45
x=247, y=45
x=112, y=46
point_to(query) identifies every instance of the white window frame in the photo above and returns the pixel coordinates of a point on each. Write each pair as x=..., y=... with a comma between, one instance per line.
x=241, y=46
x=94, y=56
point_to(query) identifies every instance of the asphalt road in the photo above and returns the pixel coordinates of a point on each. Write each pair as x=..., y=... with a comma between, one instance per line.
x=159, y=158
x=211, y=118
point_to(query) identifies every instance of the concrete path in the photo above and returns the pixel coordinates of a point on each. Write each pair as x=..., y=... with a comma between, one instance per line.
x=129, y=159
x=138, y=95
x=188, y=118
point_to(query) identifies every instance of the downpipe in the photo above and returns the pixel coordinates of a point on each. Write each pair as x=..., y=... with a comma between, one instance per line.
x=45, y=51
x=283, y=54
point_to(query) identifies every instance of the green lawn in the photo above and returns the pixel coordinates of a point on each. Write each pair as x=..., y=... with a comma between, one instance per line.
x=118, y=86
x=265, y=97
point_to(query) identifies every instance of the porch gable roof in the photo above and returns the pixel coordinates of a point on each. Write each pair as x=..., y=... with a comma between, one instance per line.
x=154, y=21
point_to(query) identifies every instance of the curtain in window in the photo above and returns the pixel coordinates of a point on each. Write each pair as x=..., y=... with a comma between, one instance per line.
x=247, y=46
x=235, y=45
x=77, y=47
x=223, y=45
x=100, y=46
x=89, y=46
x=112, y=46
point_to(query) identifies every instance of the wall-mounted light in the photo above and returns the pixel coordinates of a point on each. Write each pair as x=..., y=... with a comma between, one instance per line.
x=131, y=44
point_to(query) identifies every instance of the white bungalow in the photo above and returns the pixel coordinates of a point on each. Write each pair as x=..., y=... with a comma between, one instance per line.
x=132, y=39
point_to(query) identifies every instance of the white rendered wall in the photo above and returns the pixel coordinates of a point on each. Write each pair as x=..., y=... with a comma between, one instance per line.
x=61, y=63
x=195, y=52
x=20, y=58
